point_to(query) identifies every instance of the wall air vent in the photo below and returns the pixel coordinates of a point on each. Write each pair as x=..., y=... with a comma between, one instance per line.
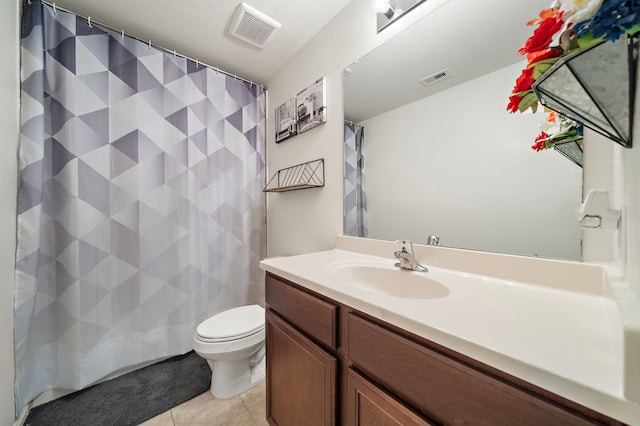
x=252, y=26
x=434, y=78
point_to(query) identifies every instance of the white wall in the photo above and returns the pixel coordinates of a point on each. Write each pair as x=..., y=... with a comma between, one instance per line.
x=308, y=220
x=631, y=194
x=617, y=170
x=8, y=188
x=600, y=173
x=457, y=164
x=614, y=168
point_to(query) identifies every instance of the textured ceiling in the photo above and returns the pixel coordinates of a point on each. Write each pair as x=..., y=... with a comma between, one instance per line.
x=197, y=28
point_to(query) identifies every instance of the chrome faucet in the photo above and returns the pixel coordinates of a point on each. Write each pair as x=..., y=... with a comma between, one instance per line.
x=407, y=259
x=433, y=240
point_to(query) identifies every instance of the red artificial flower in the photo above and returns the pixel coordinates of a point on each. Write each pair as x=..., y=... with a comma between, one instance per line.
x=525, y=81
x=542, y=35
x=539, y=146
x=514, y=102
x=523, y=84
x=540, y=142
x=541, y=55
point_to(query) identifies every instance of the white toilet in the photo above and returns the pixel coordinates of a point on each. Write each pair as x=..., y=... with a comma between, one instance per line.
x=232, y=342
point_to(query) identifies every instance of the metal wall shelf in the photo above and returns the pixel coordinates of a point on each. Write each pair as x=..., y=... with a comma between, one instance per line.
x=300, y=176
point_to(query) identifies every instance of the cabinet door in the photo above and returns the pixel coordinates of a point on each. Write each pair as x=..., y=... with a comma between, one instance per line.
x=368, y=405
x=301, y=378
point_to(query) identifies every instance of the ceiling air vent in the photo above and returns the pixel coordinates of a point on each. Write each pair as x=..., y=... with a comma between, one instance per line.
x=434, y=78
x=252, y=26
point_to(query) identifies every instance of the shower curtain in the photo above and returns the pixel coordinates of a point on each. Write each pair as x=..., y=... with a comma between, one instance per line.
x=140, y=206
x=355, y=205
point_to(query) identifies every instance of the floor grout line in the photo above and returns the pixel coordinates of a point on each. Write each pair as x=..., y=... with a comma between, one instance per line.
x=173, y=420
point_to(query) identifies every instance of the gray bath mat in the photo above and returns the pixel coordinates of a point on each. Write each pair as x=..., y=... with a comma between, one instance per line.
x=129, y=399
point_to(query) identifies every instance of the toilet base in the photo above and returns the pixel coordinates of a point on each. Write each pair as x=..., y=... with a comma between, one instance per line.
x=232, y=377
x=229, y=377
x=258, y=371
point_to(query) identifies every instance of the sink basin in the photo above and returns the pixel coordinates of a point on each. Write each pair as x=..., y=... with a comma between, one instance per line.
x=388, y=280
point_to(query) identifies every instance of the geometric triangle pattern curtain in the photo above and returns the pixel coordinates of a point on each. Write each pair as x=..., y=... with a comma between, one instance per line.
x=355, y=204
x=140, y=207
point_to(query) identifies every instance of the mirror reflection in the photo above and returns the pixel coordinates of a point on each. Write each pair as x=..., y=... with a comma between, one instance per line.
x=431, y=150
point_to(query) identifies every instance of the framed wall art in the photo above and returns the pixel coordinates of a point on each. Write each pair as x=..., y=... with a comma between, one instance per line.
x=303, y=112
x=286, y=120
x=311, y=106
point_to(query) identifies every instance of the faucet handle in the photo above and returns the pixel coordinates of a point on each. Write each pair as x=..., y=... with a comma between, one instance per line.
x=406, y=246
x=406, y=257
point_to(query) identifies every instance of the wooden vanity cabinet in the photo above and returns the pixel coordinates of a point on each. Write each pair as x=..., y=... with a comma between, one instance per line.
x=328, y=364
x=301, y=338
x=301, y=378
x=446, y=390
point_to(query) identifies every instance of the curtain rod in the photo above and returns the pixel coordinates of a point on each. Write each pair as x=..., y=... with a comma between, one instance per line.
x=91, y=22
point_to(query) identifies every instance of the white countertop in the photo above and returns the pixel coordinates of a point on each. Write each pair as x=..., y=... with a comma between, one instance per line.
x=551, y=323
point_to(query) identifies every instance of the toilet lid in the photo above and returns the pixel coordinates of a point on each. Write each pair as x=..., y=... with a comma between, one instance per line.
x=232, y=324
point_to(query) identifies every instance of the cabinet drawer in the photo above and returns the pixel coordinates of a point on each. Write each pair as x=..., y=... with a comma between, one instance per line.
x=314, y=316
x=444, y=389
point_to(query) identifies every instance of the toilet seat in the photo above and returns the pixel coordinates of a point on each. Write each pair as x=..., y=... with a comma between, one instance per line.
x=233, y=324
x=226, y=339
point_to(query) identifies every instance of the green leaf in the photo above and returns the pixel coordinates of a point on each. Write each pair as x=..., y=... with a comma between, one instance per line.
x=539, y=69
x=549, y=61
x=529, y=101
x=523, y=93
x=633, y=29
x=588, y=40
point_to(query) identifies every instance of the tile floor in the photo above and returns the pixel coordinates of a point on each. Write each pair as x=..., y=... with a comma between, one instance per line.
x=247, y=409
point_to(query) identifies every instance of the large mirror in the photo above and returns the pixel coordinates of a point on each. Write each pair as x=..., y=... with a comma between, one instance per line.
x=441, y=155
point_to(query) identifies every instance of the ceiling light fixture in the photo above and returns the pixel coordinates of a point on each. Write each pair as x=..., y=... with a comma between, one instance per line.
x=383, y=7
x=389, y=11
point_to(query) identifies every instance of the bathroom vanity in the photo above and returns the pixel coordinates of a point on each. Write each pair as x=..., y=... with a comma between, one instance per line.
x=342, y=352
